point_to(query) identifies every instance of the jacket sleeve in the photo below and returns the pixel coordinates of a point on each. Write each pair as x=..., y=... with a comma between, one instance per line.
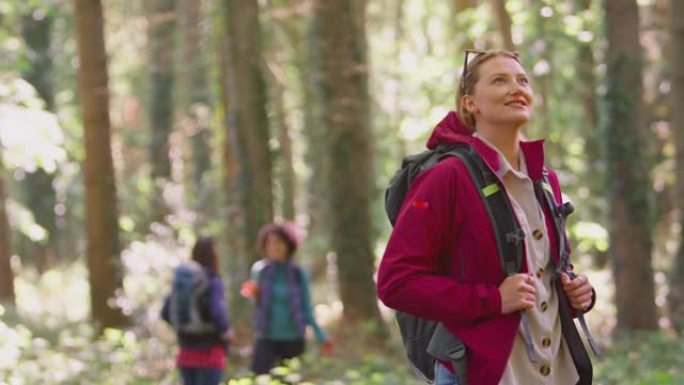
x=218, y=309
x=308, y=308
x=427, y=223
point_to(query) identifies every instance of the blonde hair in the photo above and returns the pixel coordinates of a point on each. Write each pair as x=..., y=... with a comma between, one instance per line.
x=470, y=77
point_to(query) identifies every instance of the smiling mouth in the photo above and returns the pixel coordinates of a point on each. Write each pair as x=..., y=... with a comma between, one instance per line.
x=516, y=104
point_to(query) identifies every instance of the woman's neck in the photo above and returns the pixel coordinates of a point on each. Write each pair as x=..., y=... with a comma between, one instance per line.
x=505, y=139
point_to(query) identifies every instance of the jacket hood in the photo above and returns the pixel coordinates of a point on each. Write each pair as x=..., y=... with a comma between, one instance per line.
x=450, y=130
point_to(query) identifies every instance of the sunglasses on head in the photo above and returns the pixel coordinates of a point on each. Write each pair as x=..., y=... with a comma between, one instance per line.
x=476, y=52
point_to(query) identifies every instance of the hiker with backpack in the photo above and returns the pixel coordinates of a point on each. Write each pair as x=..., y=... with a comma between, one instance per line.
x=477, y=265
x=283, y=310
x=197, y=310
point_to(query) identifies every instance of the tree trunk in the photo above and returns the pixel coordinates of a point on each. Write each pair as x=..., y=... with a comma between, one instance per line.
x=277, y=56
x=628, y=178
x=39, y=194
x=162, y=25
x=238, y=250
x=462, y=5
x=6, y=275
x=586, y=90
x=248, y=111
x=342, y=76
x=503, y=22
x=286, y=173
x=197, y=109
x=231, y=151
x=315, y=156
x=456, y=28
x=676, y=48
x=104, y=264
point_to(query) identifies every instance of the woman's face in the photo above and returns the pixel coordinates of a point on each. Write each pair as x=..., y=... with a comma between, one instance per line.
x=275, y=248
x=502, y=94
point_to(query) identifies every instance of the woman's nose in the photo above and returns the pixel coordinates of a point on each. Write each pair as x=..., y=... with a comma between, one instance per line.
x=515, y=88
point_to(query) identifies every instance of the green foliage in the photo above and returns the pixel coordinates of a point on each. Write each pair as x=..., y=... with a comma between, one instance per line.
x=311, y=369
x=74, y=356
x=643, y=359
x=48, y=339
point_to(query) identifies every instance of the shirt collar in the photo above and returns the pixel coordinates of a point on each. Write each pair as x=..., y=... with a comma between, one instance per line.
x=504, y=166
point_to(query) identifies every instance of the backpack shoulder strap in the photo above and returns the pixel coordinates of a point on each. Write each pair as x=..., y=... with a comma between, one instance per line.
x=559, y=212
x=507, y=232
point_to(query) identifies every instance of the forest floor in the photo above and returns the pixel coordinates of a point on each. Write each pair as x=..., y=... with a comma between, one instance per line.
x=48, y=340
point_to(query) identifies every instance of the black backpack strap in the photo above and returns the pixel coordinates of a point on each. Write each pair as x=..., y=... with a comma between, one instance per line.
x=559, y=213
x=507, y=232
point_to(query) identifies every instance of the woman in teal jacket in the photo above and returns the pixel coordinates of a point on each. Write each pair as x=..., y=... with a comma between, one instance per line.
x=283, y=300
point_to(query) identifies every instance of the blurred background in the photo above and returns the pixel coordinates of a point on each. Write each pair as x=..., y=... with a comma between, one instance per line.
x=129, y=128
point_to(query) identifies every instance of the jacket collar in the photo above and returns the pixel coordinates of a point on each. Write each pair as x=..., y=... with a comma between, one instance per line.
x=533, y=153
x=451, y=129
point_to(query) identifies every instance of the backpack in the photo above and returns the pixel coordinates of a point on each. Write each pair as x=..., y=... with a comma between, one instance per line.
x=426, y=340
x=188, y=306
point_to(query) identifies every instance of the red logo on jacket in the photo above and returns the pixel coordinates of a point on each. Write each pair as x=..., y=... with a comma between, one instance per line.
x=420, y=204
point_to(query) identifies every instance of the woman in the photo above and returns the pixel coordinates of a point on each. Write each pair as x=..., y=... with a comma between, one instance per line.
x=476, y=301
x=202, y=355
x=283, y=303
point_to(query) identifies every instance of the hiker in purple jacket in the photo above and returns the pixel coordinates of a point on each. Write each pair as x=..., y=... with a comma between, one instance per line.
x=202, y=355
x=283, y=302
x=443, y=215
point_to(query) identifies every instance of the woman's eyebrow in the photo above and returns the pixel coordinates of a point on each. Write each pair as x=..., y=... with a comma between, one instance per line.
x=520, y=74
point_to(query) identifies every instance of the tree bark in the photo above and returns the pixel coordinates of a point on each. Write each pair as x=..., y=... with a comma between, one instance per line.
x=236, y=260
x=7, y=296
x=462, y=5
x=39, y=194
x=342, y=74
x=162, y=25
x=628, y=178
x=676, y=48
x=197, y=104
x=248, y=112
x=286, y=173
x=586, y=90
x=503, y=22
x=104, y=264
x=296, y=31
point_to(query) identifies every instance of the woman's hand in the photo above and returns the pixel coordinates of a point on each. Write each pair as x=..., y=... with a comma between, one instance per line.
x=249, y=289
x=228, y=336
x=578, y=291
x=517, y=293
x=327, y=348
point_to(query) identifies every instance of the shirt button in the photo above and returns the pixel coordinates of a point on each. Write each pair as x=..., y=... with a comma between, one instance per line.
x=537, y=234
x=546, y=342
x=540, y=273
x=545, y=370
x=544, y=306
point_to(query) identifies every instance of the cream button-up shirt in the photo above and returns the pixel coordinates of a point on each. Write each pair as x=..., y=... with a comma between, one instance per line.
x=555, y=366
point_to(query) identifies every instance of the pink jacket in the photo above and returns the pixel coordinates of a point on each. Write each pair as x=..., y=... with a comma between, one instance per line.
x=444, y=216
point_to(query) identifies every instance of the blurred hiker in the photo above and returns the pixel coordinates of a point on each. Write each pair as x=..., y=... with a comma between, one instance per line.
x=197, y=310
x=283, y=301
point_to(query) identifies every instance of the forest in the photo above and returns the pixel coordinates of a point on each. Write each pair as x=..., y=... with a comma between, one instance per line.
x=130, y=129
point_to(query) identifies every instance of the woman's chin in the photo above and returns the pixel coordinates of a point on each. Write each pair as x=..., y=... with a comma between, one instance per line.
x=521, y=118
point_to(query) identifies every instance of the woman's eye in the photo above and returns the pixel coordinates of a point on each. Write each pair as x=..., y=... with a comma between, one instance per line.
x=524, y=81
x=499, y=80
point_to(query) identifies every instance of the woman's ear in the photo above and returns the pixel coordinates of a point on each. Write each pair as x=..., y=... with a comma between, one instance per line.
x=469, y=104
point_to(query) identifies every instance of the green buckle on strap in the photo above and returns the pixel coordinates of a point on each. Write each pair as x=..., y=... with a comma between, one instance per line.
x=491, y=189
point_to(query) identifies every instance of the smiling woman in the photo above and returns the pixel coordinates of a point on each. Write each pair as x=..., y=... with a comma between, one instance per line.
x=514, y=320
